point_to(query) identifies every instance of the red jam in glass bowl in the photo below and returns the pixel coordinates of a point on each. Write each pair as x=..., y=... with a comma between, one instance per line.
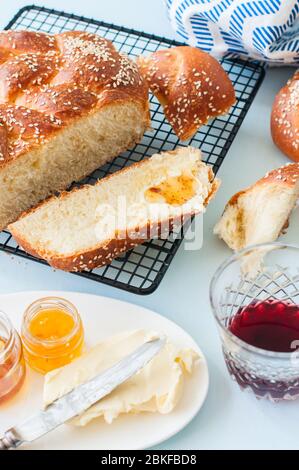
x=270, y=325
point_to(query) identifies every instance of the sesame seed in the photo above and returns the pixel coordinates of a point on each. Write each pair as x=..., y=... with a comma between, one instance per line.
x=93, y=66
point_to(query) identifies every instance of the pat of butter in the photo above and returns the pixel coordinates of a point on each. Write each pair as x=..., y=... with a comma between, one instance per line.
x=155, y=388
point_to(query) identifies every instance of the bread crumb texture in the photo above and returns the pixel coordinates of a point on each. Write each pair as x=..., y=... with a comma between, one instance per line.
x=90, y=226
x=285, y=118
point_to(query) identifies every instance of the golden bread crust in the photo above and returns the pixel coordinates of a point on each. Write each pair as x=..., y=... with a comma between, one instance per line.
x=287, y=175
x=48, y=81
x=190, y=84
x=101, y=255
x=285, y=119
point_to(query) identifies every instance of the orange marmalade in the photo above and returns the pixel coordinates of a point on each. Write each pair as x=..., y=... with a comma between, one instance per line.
x=52, y=334
x=12, y=366
x=176, y=190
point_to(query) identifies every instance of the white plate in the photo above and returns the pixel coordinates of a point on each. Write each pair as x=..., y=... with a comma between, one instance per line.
x=103, y=317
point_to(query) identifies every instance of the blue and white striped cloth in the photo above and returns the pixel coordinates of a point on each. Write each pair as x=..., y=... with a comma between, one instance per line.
x=267, y=30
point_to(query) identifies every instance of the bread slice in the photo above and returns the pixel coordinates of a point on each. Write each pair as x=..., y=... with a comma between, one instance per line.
x=69, y=156
x=89, y=226
x=260, y=213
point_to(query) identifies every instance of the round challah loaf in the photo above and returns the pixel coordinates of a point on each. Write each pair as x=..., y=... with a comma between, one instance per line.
x=285, y=119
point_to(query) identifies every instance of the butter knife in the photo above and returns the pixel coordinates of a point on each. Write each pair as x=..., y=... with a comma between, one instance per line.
x=81, y=398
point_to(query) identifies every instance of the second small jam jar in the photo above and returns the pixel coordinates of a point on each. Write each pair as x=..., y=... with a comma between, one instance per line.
x=52, y=334
x=12, y=366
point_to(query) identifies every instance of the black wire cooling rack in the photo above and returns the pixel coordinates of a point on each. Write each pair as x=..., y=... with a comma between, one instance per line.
x=141, y=270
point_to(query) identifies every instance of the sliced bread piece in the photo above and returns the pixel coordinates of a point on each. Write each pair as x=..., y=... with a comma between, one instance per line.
x=260, y=213
x=89, y=226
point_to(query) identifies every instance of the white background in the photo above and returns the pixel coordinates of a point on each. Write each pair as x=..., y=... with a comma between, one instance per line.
x=229, y=418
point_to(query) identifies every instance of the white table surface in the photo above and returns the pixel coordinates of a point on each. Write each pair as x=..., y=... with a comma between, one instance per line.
x=229, y=419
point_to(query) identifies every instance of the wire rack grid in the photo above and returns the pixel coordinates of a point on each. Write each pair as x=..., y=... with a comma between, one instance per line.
x=141, y=270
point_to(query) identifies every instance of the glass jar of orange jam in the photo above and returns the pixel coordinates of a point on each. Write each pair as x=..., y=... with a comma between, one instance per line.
x=12, y=365
x=52, y=334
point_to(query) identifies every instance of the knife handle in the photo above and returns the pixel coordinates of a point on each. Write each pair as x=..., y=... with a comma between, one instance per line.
x=10, y=440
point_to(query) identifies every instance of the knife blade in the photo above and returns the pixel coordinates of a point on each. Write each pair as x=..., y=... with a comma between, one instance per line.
x=82, y=397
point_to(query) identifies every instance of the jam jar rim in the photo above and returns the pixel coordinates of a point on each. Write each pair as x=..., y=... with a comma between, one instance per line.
x=28, y=337
x=11, y=333
x=227, y=262
x=13, y=340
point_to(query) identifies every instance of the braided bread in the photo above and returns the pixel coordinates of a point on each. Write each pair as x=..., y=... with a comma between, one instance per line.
x=68, y=104
x=190, y=84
